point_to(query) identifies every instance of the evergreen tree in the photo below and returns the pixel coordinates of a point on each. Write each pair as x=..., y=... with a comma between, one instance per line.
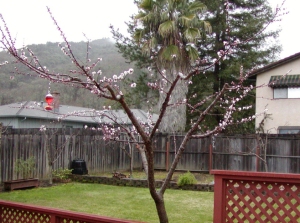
x=234, y=21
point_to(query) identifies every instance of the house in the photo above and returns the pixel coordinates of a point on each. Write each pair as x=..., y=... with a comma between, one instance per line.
x=280, y=97
x=30, y=114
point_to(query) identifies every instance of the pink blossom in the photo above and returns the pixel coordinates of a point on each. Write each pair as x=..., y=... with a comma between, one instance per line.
x=130, y=71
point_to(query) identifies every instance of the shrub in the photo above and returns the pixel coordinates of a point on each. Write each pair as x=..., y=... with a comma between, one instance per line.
x=61, y=173
x=25, y=167
x=186, y=179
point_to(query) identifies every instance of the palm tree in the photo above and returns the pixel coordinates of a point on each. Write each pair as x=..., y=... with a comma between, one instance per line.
x=165, y=35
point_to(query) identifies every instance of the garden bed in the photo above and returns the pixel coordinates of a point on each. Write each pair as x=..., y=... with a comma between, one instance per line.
x=138, y=182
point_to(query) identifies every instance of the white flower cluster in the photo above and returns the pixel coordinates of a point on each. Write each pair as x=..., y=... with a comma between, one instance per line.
x=5, y=62
x=115, y=78
x=110, y=133
x=153, y=85
x=43, y=128
x=221, y=53
x=181, y=75
x=106, y=108
x=250, y=118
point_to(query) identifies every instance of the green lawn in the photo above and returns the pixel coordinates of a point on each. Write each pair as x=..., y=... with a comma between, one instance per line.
x=120, y=202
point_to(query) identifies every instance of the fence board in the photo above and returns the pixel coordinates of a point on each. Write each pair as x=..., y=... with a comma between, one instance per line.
x=238, y=152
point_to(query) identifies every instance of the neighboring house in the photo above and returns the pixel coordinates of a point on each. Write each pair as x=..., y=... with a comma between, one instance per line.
x=30, y=114
x=280, y=96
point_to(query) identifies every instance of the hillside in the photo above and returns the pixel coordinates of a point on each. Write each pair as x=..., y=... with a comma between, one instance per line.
x=17, y=88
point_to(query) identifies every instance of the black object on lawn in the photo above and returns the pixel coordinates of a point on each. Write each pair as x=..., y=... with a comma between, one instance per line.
x=78, y=166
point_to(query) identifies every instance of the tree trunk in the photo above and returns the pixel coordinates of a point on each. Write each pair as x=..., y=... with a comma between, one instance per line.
x=144, y=159
x=175, y=118
x=48, y=158
x=157, y=195
x=161, y=210
x=265, y=153
x=50, y=174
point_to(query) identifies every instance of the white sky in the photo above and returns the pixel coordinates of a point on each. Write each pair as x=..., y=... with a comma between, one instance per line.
x=29, y=21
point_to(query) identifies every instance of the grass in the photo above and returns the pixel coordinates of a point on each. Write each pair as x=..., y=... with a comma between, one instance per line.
x=120, y=202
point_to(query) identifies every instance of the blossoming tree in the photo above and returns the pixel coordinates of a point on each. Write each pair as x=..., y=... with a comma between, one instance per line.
x=85, y=75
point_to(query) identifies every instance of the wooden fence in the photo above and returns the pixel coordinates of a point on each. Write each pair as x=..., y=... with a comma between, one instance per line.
x=65, y=145
x=264, y=153
x=239, y=152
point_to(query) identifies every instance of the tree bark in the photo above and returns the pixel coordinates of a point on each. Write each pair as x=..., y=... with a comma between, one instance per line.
x=174, y=119
x=157, y=196
x=144, y=159
x=161, y=210
x=50, y=174
x=48, y=158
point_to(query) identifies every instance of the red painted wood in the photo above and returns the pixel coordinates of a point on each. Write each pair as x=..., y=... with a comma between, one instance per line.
x=256, y=197
x=30, y=213
x=219, y=201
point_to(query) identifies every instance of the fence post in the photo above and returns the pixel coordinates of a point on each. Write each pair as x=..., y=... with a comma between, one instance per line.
x=219, y=200
x=1, y=214
x=167, y=154
x=210, y=158
x=53, y=218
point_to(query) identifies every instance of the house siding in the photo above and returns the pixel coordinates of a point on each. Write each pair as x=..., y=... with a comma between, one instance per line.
x=284, y=112
x=29, y=115
x=29, y=123
x=10, y=122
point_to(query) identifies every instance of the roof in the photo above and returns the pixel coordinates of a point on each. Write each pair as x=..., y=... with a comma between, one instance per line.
x=31, y=109
x=285, y=81
x=275, y=64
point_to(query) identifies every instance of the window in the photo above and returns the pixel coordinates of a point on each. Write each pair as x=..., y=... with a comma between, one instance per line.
x=287, y=92
x=280, y=93
x=288, y=129
x=285, y=86
x=294, y=92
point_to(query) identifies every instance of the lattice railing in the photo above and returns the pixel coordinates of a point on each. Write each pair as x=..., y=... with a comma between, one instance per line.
x=256, y=197
x=15, y=215
x=12, y=212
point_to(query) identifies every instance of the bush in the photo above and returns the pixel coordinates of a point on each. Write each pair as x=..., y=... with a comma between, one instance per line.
x=186, y=179
x=25, y=167
x=61, y=173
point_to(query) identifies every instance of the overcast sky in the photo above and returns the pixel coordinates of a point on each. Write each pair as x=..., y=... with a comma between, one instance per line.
x=31, y=24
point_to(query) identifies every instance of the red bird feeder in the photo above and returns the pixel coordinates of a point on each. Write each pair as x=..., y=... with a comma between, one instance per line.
x=49, y=98
x=48, y=107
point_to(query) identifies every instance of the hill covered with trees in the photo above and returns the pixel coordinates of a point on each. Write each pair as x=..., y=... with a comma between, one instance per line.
x=18, y=88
